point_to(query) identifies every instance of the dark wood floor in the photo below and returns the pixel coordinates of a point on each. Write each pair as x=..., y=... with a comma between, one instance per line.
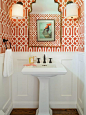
x=55, y=112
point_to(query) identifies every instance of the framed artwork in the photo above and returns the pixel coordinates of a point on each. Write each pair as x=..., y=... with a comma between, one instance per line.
x=45, y=30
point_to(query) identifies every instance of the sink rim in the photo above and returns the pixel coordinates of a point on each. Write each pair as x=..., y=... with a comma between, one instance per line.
x=45, y=71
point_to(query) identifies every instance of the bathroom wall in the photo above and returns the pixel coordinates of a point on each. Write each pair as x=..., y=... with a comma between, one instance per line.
x=5, y=23
x=81, y=26
x=81, y=80
x=85, y=59
x=81, y=84
x=85, y=23
x=85, y=86
x=72, y=31
x=5, y=83
x=5, y=90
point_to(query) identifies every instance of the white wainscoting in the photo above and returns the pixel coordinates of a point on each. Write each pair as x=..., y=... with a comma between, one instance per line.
x=81, y=84
x=85, y=86
x=63, y=88
x=5, y=90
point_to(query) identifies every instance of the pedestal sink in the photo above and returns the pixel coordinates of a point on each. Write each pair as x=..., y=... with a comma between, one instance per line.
x=44, y=72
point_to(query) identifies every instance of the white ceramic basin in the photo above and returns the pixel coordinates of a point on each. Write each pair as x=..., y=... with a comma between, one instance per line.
x=45, y=70
x=46, y=65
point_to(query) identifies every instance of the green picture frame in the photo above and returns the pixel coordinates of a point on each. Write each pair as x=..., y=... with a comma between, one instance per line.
x=45, y=30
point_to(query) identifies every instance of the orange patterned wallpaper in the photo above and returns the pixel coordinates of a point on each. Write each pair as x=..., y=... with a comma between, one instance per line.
x=72, y=31
x=5, y=23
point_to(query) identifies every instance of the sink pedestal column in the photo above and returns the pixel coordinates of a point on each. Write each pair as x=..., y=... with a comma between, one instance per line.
x=44, y=97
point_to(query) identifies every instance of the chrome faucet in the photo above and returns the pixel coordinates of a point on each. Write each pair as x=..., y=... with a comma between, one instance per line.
x=44, y=59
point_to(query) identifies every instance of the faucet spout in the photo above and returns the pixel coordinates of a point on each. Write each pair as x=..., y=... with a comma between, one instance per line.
x=44, y=59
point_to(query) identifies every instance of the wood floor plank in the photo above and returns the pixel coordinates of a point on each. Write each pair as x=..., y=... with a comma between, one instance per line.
x=55, y=112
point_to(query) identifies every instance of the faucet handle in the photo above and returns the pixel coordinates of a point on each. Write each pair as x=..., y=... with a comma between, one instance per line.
x=38, y=60
x=50, y=61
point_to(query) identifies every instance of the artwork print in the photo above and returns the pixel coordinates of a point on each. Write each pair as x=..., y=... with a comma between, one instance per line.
x=45, y=30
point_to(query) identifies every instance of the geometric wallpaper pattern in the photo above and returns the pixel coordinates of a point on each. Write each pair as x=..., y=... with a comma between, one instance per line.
x=72, y=30
x=81, y=29
x=5, y=23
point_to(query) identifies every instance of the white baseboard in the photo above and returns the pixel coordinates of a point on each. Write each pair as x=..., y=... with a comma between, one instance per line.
x=24, y=104
x=63, y=105
x=7, y=108
x=79, y=110
x=8, y=111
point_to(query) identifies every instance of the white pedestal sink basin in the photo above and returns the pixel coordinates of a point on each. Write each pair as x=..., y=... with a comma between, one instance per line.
x=43, y=72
